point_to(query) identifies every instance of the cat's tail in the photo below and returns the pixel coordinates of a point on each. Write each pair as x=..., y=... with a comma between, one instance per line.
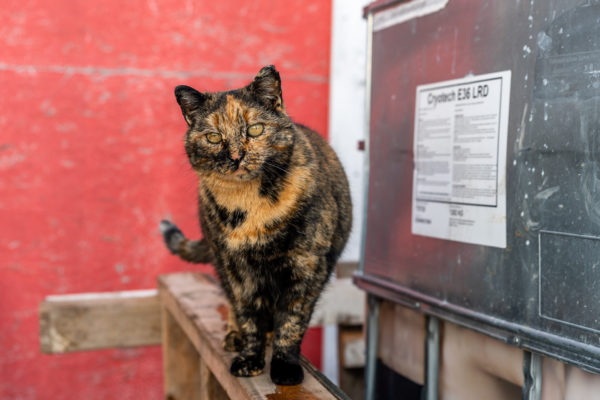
x=196, y=251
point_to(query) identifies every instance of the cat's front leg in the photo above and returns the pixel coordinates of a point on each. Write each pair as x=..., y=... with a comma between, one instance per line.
x=233, y=338
x=251, y=359
x=291, y=321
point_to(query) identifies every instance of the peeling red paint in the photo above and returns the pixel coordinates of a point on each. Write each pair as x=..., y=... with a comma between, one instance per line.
x=91, y=156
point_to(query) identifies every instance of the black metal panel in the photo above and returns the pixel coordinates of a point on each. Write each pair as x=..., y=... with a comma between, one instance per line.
x=553, y=173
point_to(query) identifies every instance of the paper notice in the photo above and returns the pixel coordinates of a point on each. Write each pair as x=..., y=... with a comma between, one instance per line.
x=459, y=181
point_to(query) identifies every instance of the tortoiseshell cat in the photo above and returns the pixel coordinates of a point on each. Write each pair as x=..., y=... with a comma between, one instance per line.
x=275, y=212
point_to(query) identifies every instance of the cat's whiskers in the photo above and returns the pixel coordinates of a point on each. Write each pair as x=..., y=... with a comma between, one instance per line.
x=260, y=160
x=276, y=166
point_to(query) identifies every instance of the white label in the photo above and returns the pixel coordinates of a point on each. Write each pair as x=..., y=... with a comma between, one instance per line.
x=459, y=179
x=405, y=11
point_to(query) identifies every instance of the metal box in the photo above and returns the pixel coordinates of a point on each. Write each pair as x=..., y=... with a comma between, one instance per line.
x=540, y=289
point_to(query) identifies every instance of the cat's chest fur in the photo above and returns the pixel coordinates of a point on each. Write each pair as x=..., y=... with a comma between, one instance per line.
x=243, y=216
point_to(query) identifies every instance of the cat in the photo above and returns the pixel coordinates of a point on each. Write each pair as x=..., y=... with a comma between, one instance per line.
x=275, y=211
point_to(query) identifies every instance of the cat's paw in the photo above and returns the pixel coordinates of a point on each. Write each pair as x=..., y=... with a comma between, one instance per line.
x=247, y=365
x=286, y=370
x=172, y=235
x=232, y=341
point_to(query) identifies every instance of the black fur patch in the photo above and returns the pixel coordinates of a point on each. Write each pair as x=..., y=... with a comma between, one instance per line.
x=233, y=219
x=233, y=341
x=172, y=235
x=274, y=172
x=295, y=226
x=172, y=231
x=286, y=370
x=237, y=218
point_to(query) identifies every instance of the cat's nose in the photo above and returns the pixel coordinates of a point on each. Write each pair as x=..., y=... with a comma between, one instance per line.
x=237, y=155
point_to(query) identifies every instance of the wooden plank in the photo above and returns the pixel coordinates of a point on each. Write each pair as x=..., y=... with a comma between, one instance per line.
x=351, y=353
x=210, y=388
x=91, y=321
x=351, y=347
x=340, y=303
x=99, y=320
x=181, y=362
x=199, y=307
x=402, y=340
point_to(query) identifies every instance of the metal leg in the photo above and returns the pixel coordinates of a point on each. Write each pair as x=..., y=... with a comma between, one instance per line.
x=532, y=372
x=372, y=346
x=432, y=355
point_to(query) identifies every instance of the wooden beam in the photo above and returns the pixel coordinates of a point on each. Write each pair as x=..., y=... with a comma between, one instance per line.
x=211, y=389
x=181, y=362
x=91, y=321
x=99, y=320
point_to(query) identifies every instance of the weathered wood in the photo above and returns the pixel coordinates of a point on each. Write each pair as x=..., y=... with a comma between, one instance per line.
x=351, y=347
x=200, y=309
x=181, y=362
x=93, y=321
x=99, y=320
x=210, y=389
x=340, y=303
x=351, y=360
x=402, y=341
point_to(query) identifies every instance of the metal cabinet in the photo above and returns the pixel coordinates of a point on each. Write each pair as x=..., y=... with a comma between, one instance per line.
x=540, y=289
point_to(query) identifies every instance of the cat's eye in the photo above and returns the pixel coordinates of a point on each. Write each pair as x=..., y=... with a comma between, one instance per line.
x=213, y=137
x=255, y=130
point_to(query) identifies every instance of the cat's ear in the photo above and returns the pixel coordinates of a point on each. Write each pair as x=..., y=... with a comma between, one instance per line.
x=266, y=87
x=190, y=100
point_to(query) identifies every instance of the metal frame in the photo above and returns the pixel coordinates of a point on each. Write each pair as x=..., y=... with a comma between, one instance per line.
x=525, y=338
x=372, y=346
x=532, y=374
x=432, y=358
x=367, y=128
x=373, y=302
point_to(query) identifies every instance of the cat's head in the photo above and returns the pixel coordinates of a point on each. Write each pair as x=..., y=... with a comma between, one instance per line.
x=238, y=134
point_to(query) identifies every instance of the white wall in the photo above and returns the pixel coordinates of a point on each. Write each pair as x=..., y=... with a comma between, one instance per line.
x=346, y=129
x=347, y=104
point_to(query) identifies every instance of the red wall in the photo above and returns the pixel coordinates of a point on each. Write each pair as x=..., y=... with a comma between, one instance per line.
x=91, y=156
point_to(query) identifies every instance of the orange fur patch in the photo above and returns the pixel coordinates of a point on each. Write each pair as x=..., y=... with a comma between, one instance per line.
x=260, y=210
